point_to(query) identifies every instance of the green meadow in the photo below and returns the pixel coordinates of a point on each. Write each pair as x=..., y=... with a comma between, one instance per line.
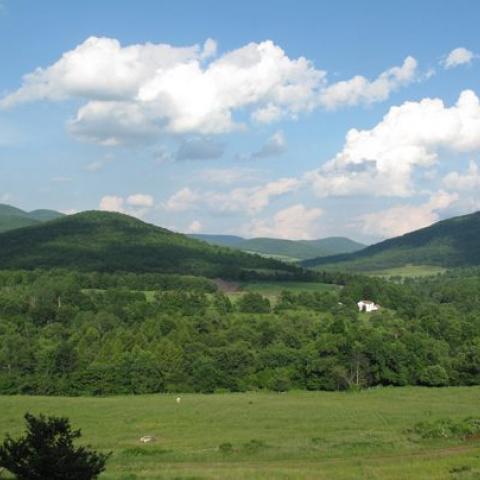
x=261, y=436
x=275, y=288
x=409, y=271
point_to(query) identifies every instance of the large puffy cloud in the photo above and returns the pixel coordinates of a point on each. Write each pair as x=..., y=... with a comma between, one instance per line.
x=360, y=90
x=381, y=161
x=138, y=92
x=100, y=69
x=295, y=222
x=458, y=56
x=401, y=219
x=249, y=200
x=114, y=122
x=159, y=88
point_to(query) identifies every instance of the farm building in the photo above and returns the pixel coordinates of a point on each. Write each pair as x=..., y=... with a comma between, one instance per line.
x=367, y=306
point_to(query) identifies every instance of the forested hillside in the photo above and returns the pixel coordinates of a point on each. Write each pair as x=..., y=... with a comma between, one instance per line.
x=287, y=249
x=449, y=243
x=108, y=242
x=12, y=217
x=71, y=333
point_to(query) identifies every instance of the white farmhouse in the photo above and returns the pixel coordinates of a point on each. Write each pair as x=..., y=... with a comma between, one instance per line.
x=367, y=306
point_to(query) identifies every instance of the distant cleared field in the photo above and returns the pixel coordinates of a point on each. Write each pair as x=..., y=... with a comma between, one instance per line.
x=409, y=271
x=273, y=288
x=283, y=258
x=268, y=289
x=294, y=436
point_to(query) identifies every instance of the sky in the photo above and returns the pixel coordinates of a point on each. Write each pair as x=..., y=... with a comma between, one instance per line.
x=288, y=119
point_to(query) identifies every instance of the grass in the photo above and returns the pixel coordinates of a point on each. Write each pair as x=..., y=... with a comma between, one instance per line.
x=274, y=288
x=271, y=290
x=294, y=436
x=409, y=271
x=282, y=258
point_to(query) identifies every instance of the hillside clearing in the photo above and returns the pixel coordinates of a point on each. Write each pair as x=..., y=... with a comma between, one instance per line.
x=409, y=271
x=275, y=288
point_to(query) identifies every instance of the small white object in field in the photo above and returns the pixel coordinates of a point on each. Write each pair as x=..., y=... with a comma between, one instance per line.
x=147, y=439
x=178, y=400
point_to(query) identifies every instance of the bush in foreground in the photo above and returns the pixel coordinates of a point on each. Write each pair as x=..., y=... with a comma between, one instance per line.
x=47, y=452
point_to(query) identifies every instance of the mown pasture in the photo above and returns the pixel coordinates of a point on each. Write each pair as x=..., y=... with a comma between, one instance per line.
x=260, y=436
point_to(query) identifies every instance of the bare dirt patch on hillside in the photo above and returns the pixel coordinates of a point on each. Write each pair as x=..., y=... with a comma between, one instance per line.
x=226, y=286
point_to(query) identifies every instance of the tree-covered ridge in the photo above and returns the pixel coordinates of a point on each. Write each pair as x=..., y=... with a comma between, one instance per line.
x=56, y=337
x=109, y=242
x=293, y=249
x=449, y=243
x=12, y=217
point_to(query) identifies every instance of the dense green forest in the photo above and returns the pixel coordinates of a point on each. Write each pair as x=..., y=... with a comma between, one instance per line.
x=12, y=217
x=449, y=243
x=286, y=249
x=109, y=242
x=104, y=333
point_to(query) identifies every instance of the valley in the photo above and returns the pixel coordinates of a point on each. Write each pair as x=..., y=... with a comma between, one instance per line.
x=239, y=366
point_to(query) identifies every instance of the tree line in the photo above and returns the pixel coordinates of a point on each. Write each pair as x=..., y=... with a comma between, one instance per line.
x=66, y=333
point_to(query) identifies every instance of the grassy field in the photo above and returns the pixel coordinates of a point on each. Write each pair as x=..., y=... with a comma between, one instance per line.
x=283, y=258
x=292, y=436
x=409, y=271
x=268, y=289
x=274, y=288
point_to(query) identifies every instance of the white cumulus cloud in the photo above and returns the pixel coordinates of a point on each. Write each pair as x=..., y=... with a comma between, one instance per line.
x=296, y=223
x=470, y=180
x=143, y=90
x=458, y=56
x=137, y=204
x=184, y=199
x=360, y=90
x=381, y=161
x=112, y=203
x=249, y=200
x=401, y=219
x=138, y=93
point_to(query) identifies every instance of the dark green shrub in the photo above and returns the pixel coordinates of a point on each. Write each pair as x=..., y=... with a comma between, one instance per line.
x=47, y=452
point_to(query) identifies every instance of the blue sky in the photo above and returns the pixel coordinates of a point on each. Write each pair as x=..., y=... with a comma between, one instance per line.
x=273, y=118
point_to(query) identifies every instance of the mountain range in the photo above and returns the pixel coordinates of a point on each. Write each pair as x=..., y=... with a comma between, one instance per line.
x=454, y=242
x=12, y=217
x=288, y=250
x=108, y=242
